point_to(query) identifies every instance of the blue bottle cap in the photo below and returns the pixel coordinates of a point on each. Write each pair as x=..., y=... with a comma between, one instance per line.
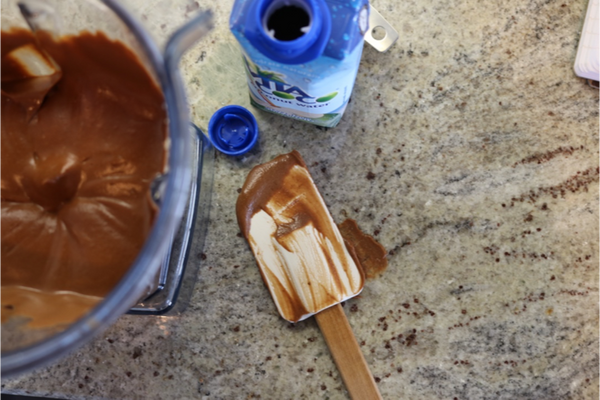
x=233, y=130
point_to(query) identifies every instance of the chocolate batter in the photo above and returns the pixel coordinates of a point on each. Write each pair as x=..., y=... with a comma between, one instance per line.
x=370, y=253
x=76, y=205
x=265, y=182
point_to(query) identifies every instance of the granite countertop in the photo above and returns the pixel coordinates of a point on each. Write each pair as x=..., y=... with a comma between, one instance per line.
x=469, y=150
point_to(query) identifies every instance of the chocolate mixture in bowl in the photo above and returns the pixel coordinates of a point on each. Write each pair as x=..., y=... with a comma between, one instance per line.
x=76, y=204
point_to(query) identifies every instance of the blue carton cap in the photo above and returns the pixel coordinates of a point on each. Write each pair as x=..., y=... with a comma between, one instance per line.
x=233, y=130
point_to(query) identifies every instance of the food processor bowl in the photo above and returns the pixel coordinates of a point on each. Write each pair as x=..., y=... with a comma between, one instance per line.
x=182, y=193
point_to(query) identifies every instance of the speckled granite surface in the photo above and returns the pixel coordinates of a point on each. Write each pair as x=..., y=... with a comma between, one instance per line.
x=470, y=150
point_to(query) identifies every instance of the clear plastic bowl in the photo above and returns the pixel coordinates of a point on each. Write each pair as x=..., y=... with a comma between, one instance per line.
x=184, y=191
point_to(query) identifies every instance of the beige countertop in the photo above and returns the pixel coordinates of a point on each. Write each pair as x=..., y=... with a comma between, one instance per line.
x=469, y=150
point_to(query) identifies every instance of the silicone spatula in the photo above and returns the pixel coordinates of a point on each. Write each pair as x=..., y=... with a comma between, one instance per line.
x=33, y=72
x=33, y=75
x=303, y=259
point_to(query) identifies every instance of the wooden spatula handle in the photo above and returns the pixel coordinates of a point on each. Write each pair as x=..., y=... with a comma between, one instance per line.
x=346, y=354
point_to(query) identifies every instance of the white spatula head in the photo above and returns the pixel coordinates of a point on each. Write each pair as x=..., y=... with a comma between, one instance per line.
x=300, y=252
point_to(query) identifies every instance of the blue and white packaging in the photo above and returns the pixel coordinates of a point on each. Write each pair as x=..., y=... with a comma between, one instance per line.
x=301, y=56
